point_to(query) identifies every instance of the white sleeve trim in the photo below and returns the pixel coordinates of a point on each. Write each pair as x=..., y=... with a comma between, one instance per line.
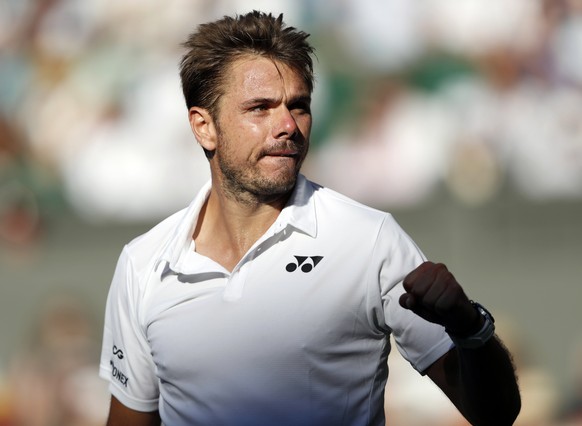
x=130, y=402
x=431, y=356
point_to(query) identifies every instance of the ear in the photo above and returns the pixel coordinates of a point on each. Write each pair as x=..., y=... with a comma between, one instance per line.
x=203, y=127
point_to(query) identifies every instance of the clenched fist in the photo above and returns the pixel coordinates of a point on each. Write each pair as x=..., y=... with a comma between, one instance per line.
x=433, y=293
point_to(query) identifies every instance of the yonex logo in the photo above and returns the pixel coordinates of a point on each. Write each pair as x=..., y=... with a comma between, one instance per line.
x=117, y=352
x=118, y=375
x=307, y=263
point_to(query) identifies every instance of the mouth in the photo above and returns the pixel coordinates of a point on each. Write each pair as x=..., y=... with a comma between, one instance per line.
x=283, y=153
x=281, y=159
x=288, y=150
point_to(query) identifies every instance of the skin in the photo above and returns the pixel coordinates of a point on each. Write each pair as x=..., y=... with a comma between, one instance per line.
x=480, y=382
x=259, y=140
x=120, y=415
x=262, y=134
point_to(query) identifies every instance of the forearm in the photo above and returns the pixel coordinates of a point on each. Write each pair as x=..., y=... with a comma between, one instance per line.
x=487, y=390
x=478, y=374
x=120, y=415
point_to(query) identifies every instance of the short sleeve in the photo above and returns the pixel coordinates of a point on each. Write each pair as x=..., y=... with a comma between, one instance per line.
x=126, y=360
x=420, y=342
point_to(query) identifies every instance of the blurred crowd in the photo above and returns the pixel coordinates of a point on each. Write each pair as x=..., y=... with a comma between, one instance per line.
x=473, y=97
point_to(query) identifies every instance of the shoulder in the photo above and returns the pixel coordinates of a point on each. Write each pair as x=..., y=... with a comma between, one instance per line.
x=332, y=205
x=149, y=246
x=359, y=223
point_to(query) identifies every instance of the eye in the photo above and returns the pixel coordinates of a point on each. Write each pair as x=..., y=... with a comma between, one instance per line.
x=259, y=108
x=301, y=107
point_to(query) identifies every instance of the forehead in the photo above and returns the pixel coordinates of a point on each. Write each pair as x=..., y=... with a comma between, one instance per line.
x=256, y=76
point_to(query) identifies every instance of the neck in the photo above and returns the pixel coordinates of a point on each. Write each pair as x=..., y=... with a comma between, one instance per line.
x=228, y=226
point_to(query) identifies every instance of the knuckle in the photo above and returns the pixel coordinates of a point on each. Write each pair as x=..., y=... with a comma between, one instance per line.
x=441, y=267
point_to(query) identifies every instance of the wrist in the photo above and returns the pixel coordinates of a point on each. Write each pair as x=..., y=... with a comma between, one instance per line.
x=469, y=327
x=480, y=331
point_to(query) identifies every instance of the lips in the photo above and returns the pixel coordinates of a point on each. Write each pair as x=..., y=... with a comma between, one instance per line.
x=282, y=151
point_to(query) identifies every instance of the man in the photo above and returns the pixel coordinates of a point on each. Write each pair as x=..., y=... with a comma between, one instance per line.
x=270, y=300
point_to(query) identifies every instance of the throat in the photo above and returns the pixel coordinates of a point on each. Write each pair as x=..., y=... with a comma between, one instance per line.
x=255, y=200
x=226, y=235
x=224, y=256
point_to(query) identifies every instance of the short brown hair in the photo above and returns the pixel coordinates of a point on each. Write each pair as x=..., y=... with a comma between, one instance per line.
x=215, y=45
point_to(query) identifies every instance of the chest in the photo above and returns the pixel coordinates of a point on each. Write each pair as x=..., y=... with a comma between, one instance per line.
x=293, y=304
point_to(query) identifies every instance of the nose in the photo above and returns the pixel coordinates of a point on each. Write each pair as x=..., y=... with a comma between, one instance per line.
x=285, y=123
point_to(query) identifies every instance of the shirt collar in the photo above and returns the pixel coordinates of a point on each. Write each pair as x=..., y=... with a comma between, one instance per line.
x=181, y=238
x=300, y=209
x=299, y=214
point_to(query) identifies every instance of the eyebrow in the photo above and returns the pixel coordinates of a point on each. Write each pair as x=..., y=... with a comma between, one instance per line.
x=270, y=101
x=300, y=98
x=258, y=101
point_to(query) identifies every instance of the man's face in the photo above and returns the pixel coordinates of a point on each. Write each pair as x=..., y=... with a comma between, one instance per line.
x=263, y=125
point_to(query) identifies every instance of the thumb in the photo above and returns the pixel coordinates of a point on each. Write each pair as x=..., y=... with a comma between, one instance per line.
x=407, y=301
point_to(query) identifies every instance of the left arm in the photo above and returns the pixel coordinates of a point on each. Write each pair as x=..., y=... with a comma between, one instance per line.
x=480, y=381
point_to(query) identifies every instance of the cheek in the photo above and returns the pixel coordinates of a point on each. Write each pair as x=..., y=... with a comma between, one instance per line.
x=304, y=124
x=245, y=128
x=241, y=141
x=249, y=137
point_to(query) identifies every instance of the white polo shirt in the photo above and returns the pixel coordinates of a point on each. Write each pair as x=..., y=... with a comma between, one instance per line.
x=296, y=334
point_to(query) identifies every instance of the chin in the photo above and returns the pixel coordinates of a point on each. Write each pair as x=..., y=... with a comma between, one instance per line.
x=277, y=186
